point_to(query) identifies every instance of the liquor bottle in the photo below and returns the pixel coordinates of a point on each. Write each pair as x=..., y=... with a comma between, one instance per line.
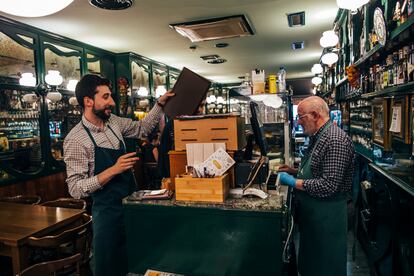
x=410, y=64
x=389, y=67
x=395, y=68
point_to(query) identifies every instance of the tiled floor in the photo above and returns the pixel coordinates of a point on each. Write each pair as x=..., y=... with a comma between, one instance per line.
x=359, y=266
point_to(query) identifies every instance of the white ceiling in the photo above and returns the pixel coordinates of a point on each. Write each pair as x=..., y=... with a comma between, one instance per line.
x=144, y=29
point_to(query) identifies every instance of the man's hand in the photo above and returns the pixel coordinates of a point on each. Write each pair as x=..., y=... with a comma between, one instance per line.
x=286, y=168
x=287, y=179
x=164, y=98
x=125, y=162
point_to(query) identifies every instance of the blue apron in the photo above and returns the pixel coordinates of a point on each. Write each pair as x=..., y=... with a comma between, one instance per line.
x=322, y=229
x=109, y=246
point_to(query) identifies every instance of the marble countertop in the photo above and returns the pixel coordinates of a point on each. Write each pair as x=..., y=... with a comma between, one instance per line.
x=274, y=202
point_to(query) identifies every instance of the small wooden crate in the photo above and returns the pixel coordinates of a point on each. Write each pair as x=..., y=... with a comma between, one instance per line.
x=229, y=130
x=214, y=190
x=178, y=161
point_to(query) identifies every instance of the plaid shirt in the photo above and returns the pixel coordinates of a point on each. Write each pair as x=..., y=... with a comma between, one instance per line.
x=332, y=163
x=79, y=153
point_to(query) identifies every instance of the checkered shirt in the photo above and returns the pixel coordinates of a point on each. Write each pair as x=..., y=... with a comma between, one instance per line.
x=79, y=153
x=332, y=163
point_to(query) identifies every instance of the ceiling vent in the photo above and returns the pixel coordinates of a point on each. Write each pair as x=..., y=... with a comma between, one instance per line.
x=296, y=19
x=112, y=4
x=217, y=61
x=208, y=57
x=299, y=45
x=216, y=28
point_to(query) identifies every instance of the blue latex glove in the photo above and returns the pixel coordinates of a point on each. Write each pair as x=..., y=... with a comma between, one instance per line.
x=287, y=179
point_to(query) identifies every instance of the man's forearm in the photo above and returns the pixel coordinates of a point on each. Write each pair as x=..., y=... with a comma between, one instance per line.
x=105, y=176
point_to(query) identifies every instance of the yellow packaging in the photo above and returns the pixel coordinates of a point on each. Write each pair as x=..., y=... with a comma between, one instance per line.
x=272, y=84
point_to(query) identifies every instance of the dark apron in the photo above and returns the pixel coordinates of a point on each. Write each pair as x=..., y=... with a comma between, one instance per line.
x=109, y=246
x=322, y=229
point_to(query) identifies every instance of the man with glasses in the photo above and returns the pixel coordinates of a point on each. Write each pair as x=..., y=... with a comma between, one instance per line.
x=322, y=188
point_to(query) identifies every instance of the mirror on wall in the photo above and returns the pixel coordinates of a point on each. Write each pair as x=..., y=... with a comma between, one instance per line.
x=16, y=57
x=159, y=76
x=65, y=60
x=173, y=76
x=94, y=64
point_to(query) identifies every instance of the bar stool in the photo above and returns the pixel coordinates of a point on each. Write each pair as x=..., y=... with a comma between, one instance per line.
x=22, y=199
x=66, y=202
x=52, y=267
x=75, y=238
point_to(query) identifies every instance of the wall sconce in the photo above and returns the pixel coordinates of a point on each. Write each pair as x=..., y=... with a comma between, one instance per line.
x=160, y=91
x=27, y=79
x=329, y=58
x=316, y=80
x=329, y=39
x=29, y=98
x=72, y=85
x=317, y=69
x=211, y=99
x=73, y=101
x=54, y=79
x=142, y=91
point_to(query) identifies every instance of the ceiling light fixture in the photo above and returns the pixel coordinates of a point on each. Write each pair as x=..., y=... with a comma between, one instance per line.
x=317, y=69
x=316, y=80
x=329, y=39
x=352, y=5
x=31, y=8
x=329, y=58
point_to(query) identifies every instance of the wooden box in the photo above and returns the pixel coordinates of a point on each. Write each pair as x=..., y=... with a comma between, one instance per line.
x=229, y=130
x=213, y=190
x=178, y=161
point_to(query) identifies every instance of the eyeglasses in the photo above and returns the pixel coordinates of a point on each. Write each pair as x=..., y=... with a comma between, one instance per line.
x=303, y=116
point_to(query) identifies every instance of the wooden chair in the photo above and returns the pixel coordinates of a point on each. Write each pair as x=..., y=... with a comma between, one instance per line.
x=75, y=238
x=52, y=267
x=22, y=199
x=64, y=202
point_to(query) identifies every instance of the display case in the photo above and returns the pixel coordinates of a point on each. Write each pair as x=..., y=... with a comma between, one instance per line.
x=360, y=118
x=159, y=80
x=400, y=119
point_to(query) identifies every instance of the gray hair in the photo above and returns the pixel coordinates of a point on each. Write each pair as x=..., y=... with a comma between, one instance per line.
x=317, y=104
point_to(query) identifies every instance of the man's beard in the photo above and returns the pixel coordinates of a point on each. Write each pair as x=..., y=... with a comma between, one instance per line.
x=101, y=113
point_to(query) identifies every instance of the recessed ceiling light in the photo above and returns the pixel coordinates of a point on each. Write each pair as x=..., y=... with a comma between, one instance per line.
x=222, y=45
x=217, y=61
x=296, y=19
x=298, y=45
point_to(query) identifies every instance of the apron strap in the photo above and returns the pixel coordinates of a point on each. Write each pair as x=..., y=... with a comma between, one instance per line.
x=89, y=134
x=121, y=142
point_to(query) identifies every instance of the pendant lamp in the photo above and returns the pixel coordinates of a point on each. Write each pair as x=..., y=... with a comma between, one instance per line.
x=33, y=8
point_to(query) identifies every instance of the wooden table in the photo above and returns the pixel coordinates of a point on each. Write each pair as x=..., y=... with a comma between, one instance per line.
x=18, y=222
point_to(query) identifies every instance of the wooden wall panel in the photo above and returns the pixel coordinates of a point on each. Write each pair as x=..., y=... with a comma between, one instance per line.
x=48, y=188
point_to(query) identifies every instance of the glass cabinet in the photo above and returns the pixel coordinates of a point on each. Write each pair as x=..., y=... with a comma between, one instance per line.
x=65, y=60
x=20, y=143
x=141, y=98
x=17, y=56
x=159, y=80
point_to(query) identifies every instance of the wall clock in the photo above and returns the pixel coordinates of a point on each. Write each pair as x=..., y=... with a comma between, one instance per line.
x=379, y=26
